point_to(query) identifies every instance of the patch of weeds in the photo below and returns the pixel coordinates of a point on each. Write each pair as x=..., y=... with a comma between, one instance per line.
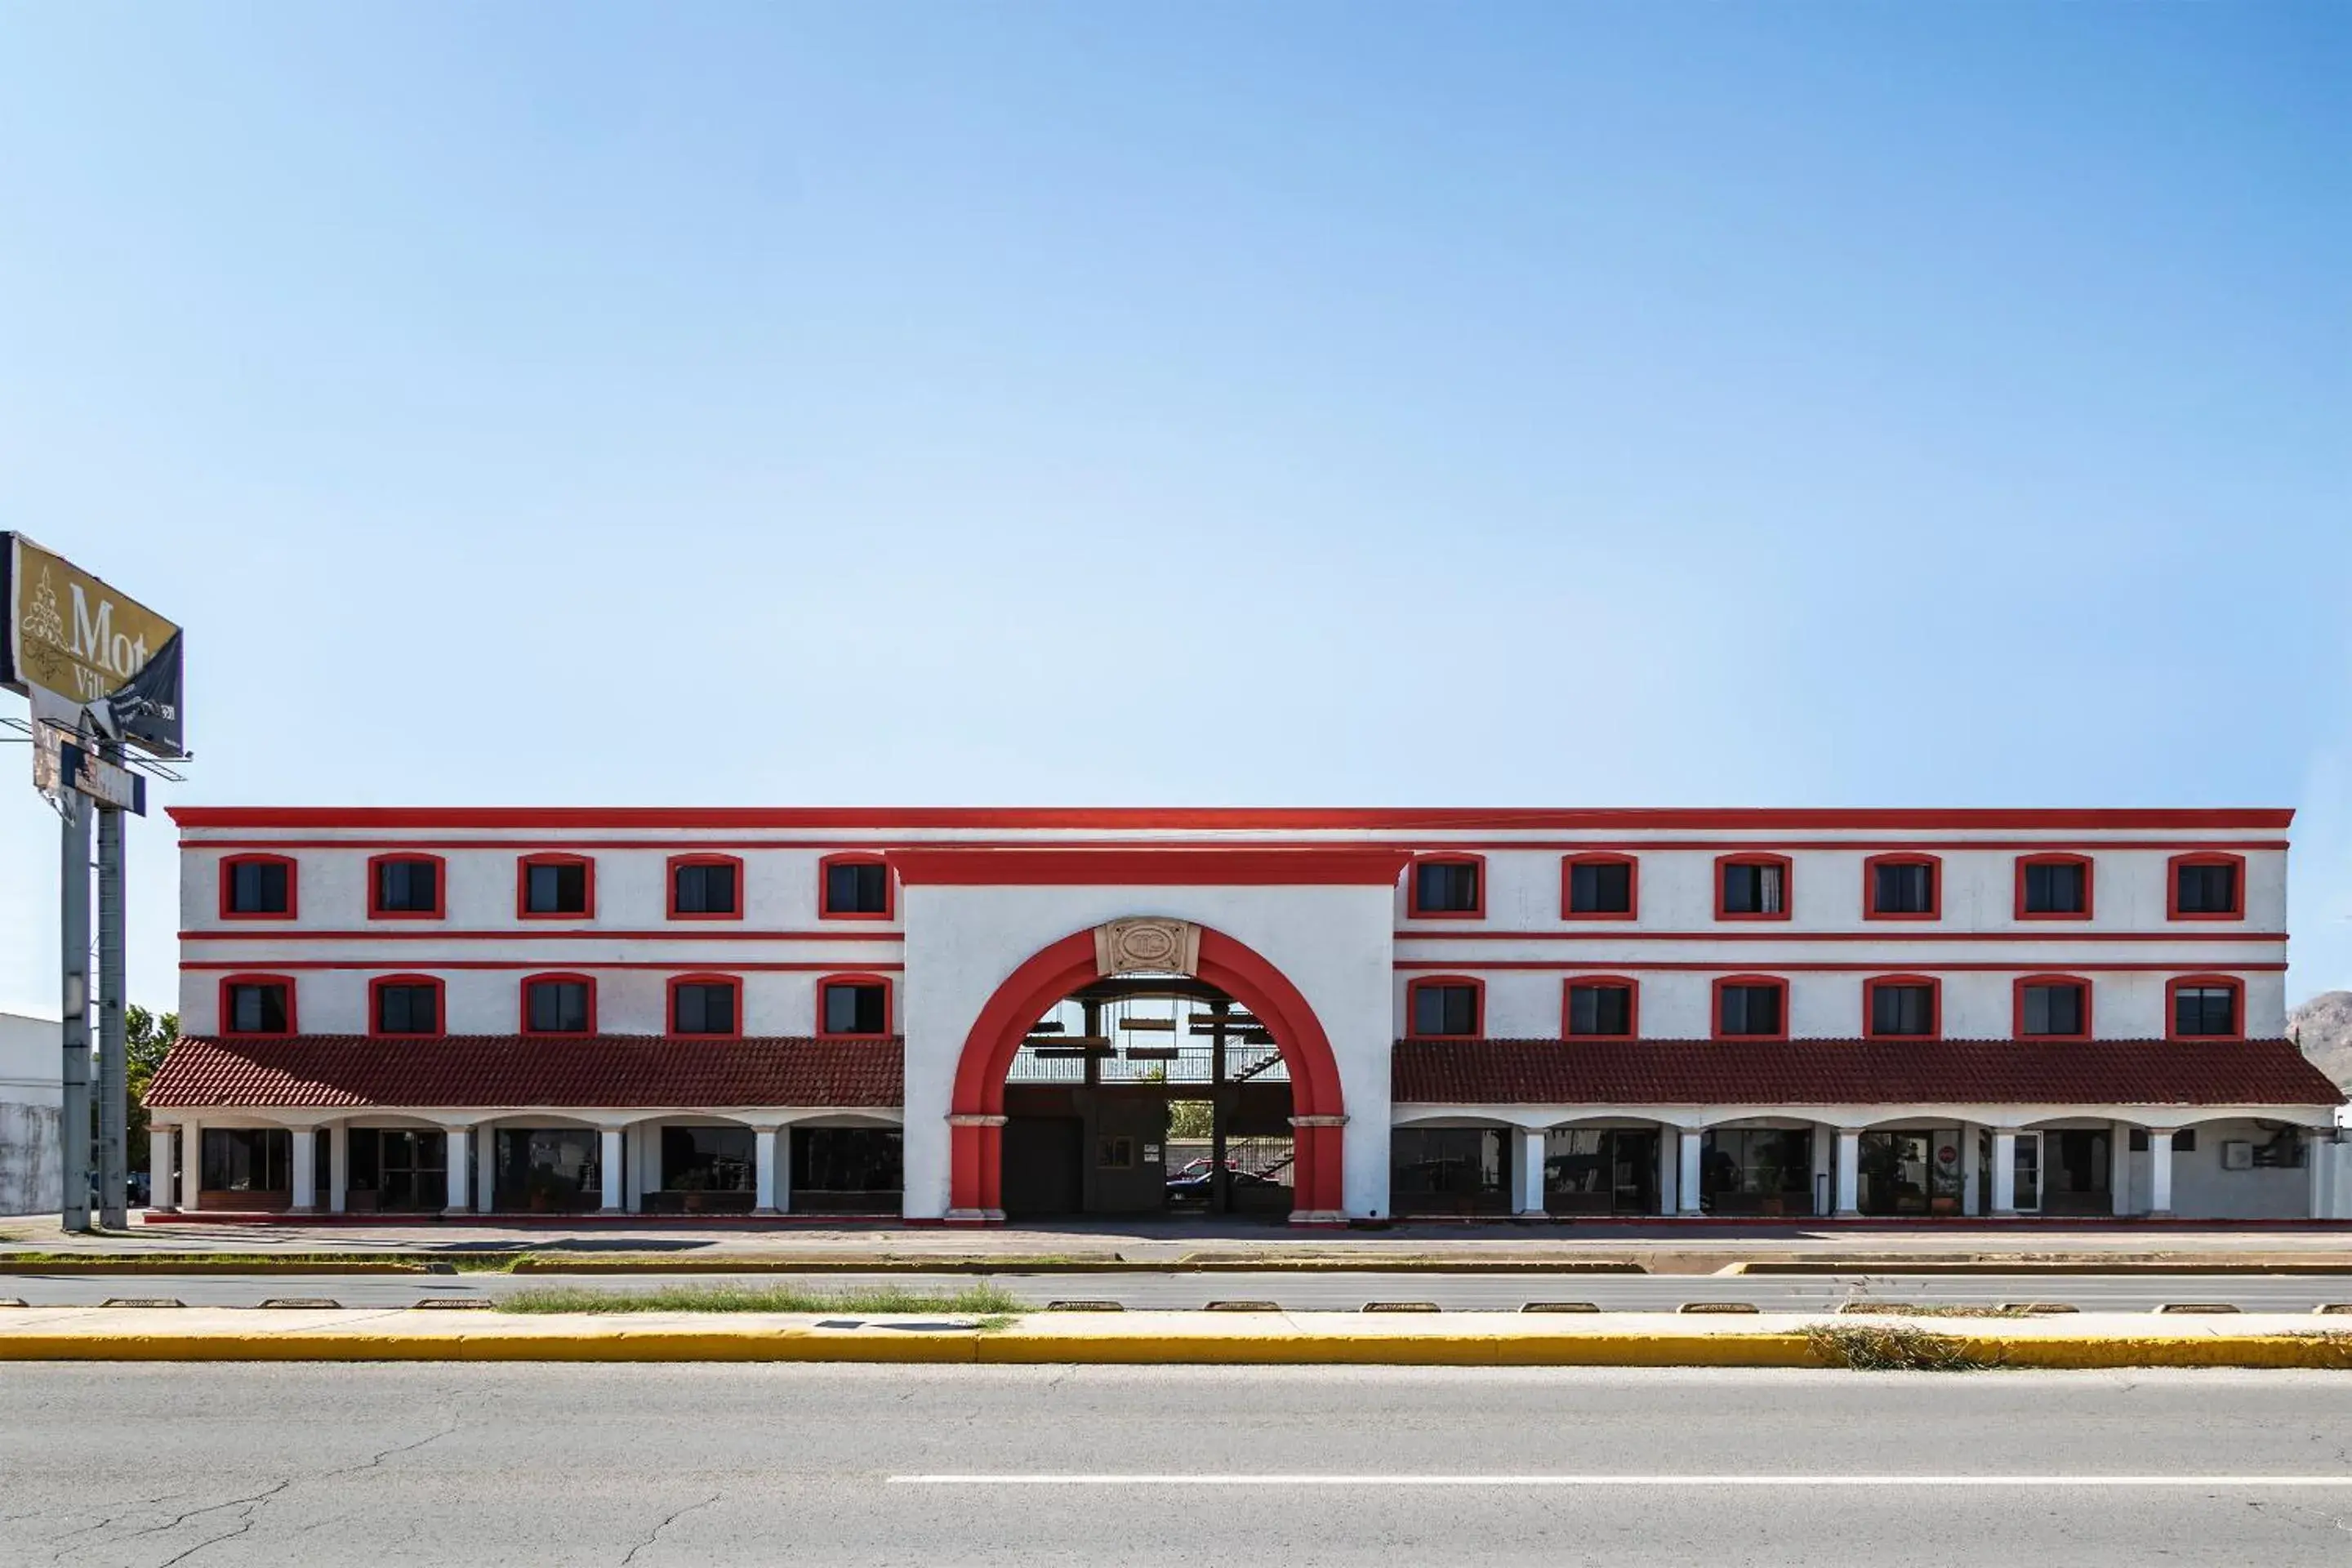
x=1889, y=1347
x=984, y=1300
x=1932, y=1309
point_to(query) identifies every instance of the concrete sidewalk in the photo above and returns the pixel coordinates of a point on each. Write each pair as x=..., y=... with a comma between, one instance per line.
x=1462, y=1339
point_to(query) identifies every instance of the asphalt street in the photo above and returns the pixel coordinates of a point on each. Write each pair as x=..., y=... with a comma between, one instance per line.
x=1293, y=1291
x=144, y=1466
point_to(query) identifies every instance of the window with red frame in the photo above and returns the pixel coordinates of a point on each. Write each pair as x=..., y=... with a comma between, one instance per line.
x=2053, y=887
x=1443, y=1007
x=1902, y=887
x=2205, y=1009
x=704, y=1004
x=557, y=885
x=1601, y=887
x=405, y=885
x=258, y=1004
x=704, y=887
x=257, y=887
x=1751, y=1009
x=405, y=1005
x=2054, y=1008
x=2206, y=888
x=856, y=887
x=1603, y=1007
x=1902, y=1007
x=1447, y=887
x=559, y=1004
x=1753, y=889
x=854, y=1007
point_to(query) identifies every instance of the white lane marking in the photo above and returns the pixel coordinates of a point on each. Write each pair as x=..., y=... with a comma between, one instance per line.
x=2185, y=1482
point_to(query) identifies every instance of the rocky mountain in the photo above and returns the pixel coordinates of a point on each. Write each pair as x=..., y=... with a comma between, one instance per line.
x=2323, y=1026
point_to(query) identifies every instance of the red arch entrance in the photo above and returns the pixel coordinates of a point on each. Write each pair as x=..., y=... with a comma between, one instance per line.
x=977, y=1114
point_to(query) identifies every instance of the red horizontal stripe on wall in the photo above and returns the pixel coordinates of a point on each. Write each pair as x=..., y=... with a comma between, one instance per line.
x=1636, y=966
x=533, y=934
x=411, y=961
x=2055, y=932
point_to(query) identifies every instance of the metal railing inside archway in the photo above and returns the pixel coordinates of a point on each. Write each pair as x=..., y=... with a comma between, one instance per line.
x=1147, y=1029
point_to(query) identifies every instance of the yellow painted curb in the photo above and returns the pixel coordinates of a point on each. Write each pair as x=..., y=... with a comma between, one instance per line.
x=1015, y=1348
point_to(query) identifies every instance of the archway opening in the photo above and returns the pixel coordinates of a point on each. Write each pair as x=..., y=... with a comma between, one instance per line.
x=1067, y=1092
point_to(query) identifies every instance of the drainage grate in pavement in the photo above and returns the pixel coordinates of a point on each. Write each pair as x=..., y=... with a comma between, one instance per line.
x=1241, y=1307
x=2039, y=1308
x=1560, y=1307
x=142, y=1301
x=1717, y=1306
x=1400, y=1306
x=2328, y=1306
x=2197, y=1307
x=19, y=1301
x=453, y=1304
x=1086, y=1307
x=304, y=1303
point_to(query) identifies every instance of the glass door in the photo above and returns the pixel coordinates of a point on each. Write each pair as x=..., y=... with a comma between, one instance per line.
x=2028, y=1170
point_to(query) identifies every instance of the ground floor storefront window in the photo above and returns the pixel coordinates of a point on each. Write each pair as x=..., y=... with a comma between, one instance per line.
x=1911, y=1172
x=1601, y=1170
x=1450, y=1170
x=246, y=1167
x=848, y=1170
x=1756, y=1171
x=397, y=1169
x=548, y=1170
x=706, y=1170
x=2077, y=1171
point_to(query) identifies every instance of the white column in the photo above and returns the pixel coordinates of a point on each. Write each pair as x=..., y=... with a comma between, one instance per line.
x=192, y=1165
x=2118, y=1169
x=455, y=1142
x=608, y=1159
x=1531, y=1170
x=486, y=1168
x=304, y=1198
x=2160, y=1173
x=763, y=1171
x=2004, y=1173
x=339, y=1167
x=159, y=1142
x=1669, y=1162
x=1686, y=1193
x=1849, y=1173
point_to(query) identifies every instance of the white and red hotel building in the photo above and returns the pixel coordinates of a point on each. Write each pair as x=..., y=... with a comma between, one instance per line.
x=1570, y=1013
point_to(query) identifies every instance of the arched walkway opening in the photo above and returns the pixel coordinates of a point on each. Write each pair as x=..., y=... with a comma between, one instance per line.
x=1146, y=1066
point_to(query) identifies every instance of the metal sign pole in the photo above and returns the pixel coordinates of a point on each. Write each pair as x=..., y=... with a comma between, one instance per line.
x=73, y=1121
x=113, y=1057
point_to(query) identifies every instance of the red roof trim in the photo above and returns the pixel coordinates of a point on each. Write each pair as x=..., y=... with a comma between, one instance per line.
x=1406, y=819
x=1197, y=866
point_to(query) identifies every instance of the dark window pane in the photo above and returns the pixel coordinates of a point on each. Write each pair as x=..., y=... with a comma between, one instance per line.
x=1750, y=889
x=257, y=888
x=1600, y=1010
x=1445, y=1010
x=1446, y=887
x=408, y=1010
x=1905, y=890
x=856, y=888
x=561, y=890
x=2205, y=1010
x=1599, y=889
x=410, y=887
x=708, y=1160
x=855, y=1009
x=2054, y=889
x=1902, y=1009
x=2053, y=1009
x=246, y=1160
x=559, y=1007
x=846, y=1160
x=703, y=1009
x=2208, y=889
x=256, y=1009
x=1751, y=1010
x=706, y=889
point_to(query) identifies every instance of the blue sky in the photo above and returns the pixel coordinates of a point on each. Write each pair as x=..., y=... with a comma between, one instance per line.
x=1136, y=403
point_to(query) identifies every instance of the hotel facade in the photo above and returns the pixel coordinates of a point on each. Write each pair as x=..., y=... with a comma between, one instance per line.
x=1320, y=1015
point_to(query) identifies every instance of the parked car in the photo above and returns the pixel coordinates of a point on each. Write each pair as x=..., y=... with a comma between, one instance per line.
x=1189, y=1188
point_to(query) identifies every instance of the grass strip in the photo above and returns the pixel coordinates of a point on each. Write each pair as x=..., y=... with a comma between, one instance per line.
x=972, y=1301
x=1889, y=1347
x=1937, y=1309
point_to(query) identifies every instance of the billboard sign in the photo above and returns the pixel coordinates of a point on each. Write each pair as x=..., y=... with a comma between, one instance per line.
x=72, y=642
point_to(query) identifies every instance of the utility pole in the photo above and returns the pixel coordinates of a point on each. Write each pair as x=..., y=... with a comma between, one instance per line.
x=113, y=1055
x=73, y=929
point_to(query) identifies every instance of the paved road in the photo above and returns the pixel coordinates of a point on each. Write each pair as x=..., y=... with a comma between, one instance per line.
x=1293, y=1291
x=144, y=1466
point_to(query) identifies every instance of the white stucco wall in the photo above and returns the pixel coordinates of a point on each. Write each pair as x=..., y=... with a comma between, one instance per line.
x=32, y=1090
x=1331, y=942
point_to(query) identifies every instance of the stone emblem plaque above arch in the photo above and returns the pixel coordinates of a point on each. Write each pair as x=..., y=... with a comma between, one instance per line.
x=1147, y=945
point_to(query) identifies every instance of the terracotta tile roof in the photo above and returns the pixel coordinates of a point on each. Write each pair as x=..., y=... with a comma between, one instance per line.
x=464, y=1071
x=1857, y=1072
